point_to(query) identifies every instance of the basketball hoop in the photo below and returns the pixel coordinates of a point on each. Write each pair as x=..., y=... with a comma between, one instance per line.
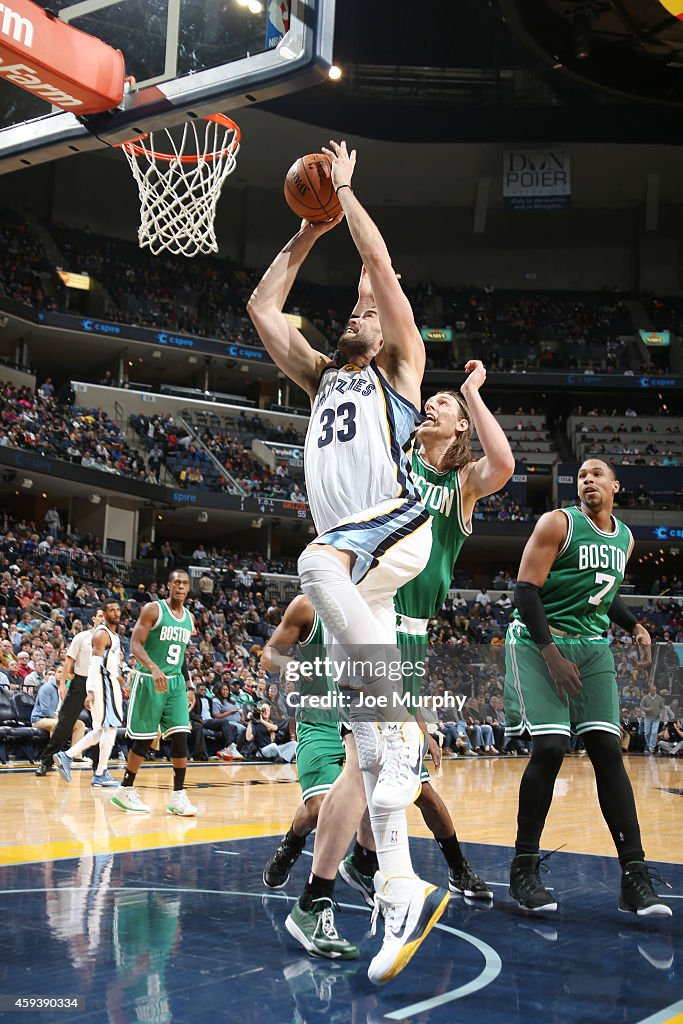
x=179, y=190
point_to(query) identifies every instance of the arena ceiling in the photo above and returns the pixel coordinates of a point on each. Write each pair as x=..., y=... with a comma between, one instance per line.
x=504, y=70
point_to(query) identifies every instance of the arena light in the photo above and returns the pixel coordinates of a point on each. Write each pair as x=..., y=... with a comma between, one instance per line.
x=334, y=73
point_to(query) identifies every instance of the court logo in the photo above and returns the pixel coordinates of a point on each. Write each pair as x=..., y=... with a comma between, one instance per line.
x=18, y=28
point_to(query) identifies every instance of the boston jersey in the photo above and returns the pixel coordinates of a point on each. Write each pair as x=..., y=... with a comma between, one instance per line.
x=167, y=641
x=585, y=576
x=318, y=684
x=424, y=595
x=357, y=444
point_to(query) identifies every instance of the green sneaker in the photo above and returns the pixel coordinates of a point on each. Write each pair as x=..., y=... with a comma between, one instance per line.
x=316, y=931
x=364, y=884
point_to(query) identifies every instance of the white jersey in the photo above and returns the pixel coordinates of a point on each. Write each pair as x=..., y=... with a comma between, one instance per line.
x=108, y=707
x=358, y=443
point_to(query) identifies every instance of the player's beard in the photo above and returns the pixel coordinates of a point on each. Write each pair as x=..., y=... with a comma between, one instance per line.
x=355, y=346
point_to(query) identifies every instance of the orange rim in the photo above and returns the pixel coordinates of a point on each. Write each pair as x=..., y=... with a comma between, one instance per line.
x=191, y=158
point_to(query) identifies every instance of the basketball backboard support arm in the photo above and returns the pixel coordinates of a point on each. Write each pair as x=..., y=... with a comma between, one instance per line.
x=301, y=58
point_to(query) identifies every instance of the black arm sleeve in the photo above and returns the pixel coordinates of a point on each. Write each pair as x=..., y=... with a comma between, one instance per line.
x=530, y=607
x=620, y=613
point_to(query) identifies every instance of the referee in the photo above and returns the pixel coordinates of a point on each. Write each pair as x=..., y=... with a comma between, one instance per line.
x=76, y=666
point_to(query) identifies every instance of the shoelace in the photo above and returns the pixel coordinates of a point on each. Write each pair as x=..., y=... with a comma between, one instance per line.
x=397, y=754
x=542, y=866
x=386, y=907
x=647, y=875
x=326, y=919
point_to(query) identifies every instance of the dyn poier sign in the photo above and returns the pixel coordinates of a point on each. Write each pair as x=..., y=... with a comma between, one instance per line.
x=67, y=67
x=536, y=179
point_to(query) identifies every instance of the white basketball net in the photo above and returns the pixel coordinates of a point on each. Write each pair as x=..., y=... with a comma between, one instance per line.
x=180, y=186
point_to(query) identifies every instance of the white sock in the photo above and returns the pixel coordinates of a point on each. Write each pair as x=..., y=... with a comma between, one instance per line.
x=89, y=740
x=106, y=746
x=390, y=829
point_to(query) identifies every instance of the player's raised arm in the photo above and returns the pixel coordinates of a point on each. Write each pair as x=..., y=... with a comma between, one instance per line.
x=488, y=474
x=285, y=344
x=147, y=620
x=404, y=351
x=539, y=554
x=296, y=624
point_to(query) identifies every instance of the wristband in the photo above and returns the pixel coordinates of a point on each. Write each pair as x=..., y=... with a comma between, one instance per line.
x=340, y=187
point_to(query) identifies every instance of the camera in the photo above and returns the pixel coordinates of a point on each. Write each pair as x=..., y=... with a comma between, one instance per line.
x=256, y=715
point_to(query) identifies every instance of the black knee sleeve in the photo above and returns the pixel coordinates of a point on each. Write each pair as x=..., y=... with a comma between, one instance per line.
x=548, y=751
x=604, y=749
x=178, y=745
x=615, y=794
x=140, y=748
x=536, y=790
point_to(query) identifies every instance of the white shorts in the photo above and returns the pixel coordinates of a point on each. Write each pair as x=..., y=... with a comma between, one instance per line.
x=392, y=542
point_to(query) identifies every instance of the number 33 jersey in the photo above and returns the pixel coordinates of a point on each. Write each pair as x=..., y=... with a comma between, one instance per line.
x=358, y=444
x=167, y=640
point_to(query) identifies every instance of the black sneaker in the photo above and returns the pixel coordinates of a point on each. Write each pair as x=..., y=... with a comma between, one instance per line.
x=466, y=883
x=637, y=894
x=276, y=871
x=525, y=883
x=43, y=769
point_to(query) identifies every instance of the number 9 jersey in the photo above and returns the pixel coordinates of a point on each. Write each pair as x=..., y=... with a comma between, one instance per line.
x=167, y=641
x=358, y=443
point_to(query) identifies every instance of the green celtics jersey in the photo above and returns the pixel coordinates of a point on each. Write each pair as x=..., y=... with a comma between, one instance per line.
x=168, y=640
x=585, y=576
x=424, y=595
x=317, y=684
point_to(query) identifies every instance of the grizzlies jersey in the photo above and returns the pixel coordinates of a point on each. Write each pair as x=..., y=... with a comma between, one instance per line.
x=107, y=709
x=318, y=684
x=585, y=576
x=357, y=445
x=168, y=640
x=111, y=662
x=424, y=595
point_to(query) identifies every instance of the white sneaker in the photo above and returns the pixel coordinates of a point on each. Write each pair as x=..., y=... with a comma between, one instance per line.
x=232, y=749
x=410, y=907
x=368, y=739
x=398, y=784
x=128, y=799
x=180, y=804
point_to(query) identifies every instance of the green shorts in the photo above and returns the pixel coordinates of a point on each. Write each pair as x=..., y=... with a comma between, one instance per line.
x=531, y=702
x=148, y=710
x=413, y=650
x=320, y=757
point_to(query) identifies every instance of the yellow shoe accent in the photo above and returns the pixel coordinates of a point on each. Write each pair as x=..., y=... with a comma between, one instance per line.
x=410, y=949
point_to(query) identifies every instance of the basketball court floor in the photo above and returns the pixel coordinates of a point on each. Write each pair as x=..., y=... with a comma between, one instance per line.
x=154, y=918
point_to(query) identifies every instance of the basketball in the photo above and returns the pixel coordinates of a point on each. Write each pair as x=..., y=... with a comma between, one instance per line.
x=309, y=191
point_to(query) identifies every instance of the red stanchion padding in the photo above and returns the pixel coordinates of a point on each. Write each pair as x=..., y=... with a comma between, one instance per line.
x=53, y=60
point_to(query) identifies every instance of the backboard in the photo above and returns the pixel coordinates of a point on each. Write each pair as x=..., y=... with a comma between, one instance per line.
x=189, y=58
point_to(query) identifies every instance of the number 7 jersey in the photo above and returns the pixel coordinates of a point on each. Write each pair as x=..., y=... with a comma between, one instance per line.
x=167, y=640
x=585, y=576
x=358, y=444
